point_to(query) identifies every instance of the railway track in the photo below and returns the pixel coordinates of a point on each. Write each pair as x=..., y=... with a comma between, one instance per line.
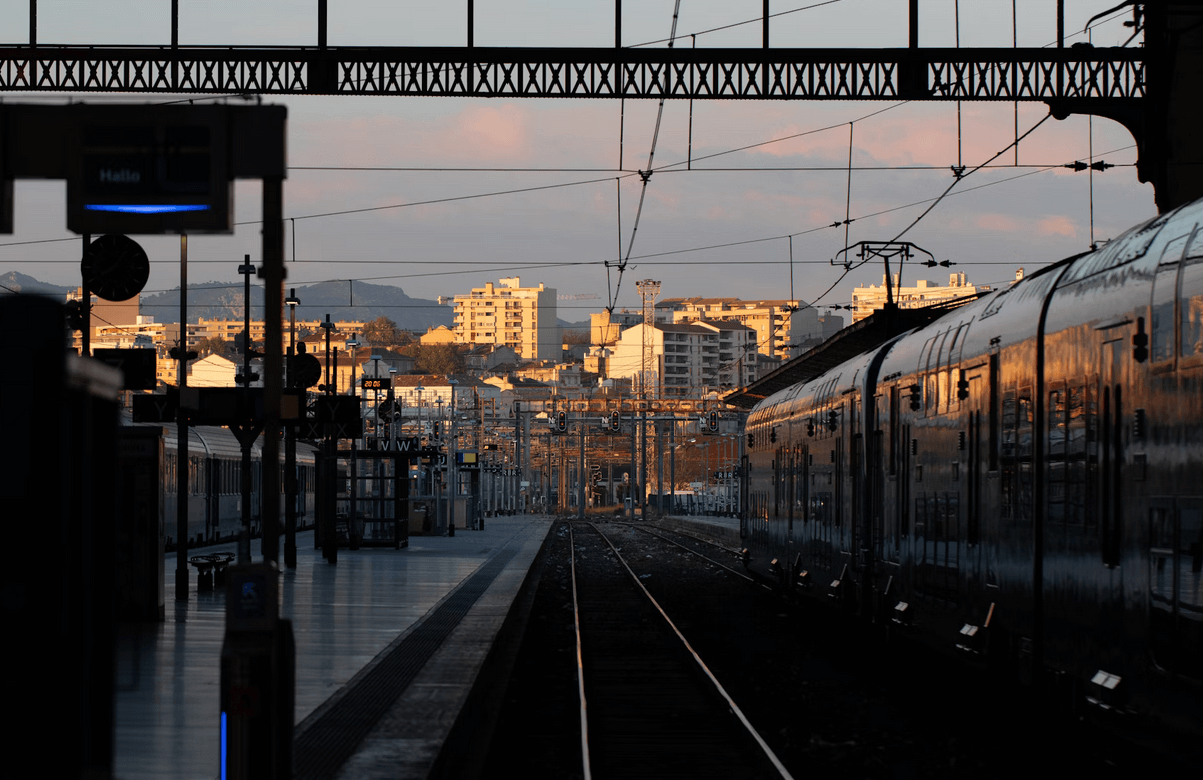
x=649, y=705
x=828, y=696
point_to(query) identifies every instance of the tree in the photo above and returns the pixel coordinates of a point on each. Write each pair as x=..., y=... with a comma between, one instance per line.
x=382, y=332
x=572, y=336
x=440, y=359
x=214, y=346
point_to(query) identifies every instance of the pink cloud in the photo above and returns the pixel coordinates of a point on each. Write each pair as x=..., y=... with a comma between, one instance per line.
x=997, y=222
x=1058, y=226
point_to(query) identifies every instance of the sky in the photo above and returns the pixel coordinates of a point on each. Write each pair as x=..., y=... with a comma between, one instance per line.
x=719, y=229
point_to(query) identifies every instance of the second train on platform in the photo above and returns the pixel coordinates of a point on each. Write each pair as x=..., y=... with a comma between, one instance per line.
x=1019, y=481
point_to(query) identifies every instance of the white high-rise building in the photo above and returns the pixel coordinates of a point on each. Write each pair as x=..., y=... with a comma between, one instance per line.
x=686, y=359
x=521, y=318
x=866, y=300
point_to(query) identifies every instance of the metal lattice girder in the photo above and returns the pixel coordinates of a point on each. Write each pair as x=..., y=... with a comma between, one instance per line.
x=797, y=74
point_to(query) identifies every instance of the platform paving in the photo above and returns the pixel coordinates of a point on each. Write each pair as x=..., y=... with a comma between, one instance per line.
x=345, y=618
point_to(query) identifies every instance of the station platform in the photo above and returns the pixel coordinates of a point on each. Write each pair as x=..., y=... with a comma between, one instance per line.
x=389, y=644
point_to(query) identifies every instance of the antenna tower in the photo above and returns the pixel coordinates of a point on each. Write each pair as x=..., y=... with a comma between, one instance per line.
x=648, y=290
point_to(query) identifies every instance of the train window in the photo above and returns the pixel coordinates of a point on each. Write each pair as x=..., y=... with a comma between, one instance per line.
x=1055, y=456
x=993, y=444
x=1190, y=306
x=894, y=431
x=1164, y=297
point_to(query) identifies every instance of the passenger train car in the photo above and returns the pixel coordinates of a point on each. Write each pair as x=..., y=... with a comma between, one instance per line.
x=1019, y=482
x=215, y=483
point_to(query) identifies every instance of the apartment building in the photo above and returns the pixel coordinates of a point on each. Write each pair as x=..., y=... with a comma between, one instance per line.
x=784, y=328
x=686, y=359
x=508, y=314
x=866, y=300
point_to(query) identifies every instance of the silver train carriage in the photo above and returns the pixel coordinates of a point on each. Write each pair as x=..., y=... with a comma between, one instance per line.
x=215, y=483
x=1019, y=482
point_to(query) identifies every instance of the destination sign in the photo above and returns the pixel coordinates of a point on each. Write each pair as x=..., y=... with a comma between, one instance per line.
x=159, y=171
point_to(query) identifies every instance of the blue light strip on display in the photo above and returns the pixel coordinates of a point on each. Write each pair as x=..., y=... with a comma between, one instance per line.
x=133, y=208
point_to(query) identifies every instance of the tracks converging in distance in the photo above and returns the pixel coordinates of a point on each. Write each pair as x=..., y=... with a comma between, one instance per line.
x=649, y=705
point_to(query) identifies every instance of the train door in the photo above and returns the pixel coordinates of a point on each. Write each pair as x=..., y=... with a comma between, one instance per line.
x=1176, y=584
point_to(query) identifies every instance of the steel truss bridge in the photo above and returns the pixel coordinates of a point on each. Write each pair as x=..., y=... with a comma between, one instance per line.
x=1070, y=75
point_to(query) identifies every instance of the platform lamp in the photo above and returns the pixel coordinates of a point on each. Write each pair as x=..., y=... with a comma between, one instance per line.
x=352, y=344
x=394, y=415
x=292, y=301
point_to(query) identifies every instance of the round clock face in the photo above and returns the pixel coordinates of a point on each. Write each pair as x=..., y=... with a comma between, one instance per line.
x=115, y=267
x=307, y=370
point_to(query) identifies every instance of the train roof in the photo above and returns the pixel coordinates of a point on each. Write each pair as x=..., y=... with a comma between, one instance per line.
x=874, y=330
x=207, y=440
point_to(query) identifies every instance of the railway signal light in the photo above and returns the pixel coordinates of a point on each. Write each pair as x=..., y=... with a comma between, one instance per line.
x=712, y=421
x=614, y=421
x=561, y=421
x=916, y=398
x=810, y=426
x=437, y=427
x=962, y=388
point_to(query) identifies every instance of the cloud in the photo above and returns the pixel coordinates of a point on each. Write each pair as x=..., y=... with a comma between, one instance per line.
x=1000, y=223
x=1058, y=226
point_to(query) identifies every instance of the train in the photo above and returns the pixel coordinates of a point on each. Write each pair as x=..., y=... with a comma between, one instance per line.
x=1018, y=482
x=215, y=480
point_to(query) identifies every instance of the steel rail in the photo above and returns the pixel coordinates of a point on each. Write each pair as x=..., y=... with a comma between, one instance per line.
x=720, y=564
x=768, y=752
x=586, y=768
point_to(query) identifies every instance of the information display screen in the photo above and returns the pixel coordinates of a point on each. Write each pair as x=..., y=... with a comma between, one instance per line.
x=158, y=172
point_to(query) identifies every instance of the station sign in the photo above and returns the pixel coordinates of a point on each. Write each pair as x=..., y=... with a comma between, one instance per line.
x=237, y=405
x=137, y=366
x=159, y=170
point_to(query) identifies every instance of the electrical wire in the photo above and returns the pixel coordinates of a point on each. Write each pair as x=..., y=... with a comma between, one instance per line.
x=644, y=175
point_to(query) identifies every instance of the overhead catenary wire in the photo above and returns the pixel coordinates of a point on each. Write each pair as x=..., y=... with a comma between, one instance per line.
x=644, y=175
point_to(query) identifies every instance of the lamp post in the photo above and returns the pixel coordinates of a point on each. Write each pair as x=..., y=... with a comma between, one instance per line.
x=375, y=393
x=290, y=444
x=419, y=390
x=452, y=471
x=394, y=410
x=436, y=488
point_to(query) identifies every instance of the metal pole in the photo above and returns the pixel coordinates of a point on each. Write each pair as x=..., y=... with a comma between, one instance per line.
x=633, y=475
x=321, y=24
x=617, y=23
x=672, y=463
x=580, y=475
x=85, y=308
x=660, y=465
x=914, y=24
x=290, y=444
x=452, y=471
x=518, y=461
x=643, y=462
x=765, y=32
x=181, y=452
x=245, y=440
